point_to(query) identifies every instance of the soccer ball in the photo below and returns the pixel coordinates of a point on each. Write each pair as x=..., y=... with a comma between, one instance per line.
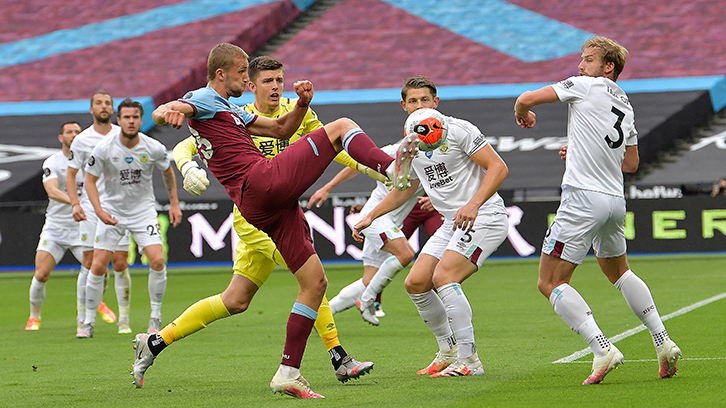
x=429, y=126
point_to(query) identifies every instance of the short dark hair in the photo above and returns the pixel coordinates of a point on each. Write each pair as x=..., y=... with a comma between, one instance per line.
x=263, y=63
x=101, y=92
x=130, y=103
x=63, y=126
x=416, y=82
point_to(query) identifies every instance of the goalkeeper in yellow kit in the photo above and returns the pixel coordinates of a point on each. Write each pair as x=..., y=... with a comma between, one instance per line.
x=256, y=255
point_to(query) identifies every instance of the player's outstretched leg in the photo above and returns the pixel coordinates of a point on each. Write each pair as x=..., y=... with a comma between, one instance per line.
x=400, y=170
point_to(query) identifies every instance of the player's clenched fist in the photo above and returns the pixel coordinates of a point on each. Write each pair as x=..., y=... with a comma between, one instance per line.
x=304, y=89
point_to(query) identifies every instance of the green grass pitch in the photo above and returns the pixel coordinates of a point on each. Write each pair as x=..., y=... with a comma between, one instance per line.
x=231, y=362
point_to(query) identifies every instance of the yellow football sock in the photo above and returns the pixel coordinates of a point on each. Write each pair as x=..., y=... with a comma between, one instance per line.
x=325, y=325
x=195, y=318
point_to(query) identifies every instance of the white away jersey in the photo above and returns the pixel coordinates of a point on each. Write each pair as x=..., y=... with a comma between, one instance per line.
x=449, y=176
x=128, y=174
x=600, y=124
x=81, y=149
x=380, y=192
x=60, y=214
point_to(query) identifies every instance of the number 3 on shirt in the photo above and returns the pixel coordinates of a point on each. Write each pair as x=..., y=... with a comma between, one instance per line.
x=618, y=126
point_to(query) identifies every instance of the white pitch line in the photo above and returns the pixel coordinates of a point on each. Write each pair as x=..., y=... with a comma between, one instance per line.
x=582, y=353
x=650, y=360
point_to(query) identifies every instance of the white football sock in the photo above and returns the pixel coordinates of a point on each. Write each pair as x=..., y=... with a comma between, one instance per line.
x=345, y=299
x=122, y=284
x=94, y=296
x=573, y=309
x=157, y=288
x=640, y=300
x=81, y=294
x=388, y=270
x=37, y=296
x=432, y=311
x=458, y=311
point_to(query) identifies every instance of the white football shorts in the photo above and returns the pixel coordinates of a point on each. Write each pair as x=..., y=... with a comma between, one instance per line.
x=144, y=228
x=586, y=218
x=381, y=231
x=56, y=241
x=87, y=229
x=476, y=244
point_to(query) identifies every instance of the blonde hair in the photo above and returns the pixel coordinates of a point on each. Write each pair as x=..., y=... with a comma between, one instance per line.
x=222, y=56
x=610, y=51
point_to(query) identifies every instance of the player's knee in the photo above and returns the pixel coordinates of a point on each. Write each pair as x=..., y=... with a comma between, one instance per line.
x=406, y=257
x=544, y=287
x=119, y=263
x=339, y=127
x=414, y=285
x=157, y=264
x=42, y=275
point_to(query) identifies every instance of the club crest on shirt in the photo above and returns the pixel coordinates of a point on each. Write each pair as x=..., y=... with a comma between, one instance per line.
x=128, y=159
x=144, y=158
x=443, y=149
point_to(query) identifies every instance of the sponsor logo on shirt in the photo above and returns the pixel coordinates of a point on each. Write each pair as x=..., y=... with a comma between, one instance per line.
x=567, y=84
x=128, y=159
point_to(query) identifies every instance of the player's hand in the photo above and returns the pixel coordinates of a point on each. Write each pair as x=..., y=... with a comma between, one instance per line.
x=563, y=152
x=318, y=198
x=465, y=216
x=425, y=202
x=364, y=223
x=527, y=120
x=78, y=213
x=304, y=89
x=175, y=215
x=107, y=218
x=195, y=179
x=174, y=118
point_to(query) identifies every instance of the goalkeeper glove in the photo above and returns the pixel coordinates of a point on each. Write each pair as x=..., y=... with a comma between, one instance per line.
x=195, y=179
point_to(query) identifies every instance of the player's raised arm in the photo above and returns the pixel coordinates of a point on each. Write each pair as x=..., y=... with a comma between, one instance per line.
x=172, y=113
x=285, y=126
x=528, y=100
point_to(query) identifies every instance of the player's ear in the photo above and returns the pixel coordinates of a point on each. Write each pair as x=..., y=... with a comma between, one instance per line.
x=436, y=102
x=403, y=105
x=220, y=73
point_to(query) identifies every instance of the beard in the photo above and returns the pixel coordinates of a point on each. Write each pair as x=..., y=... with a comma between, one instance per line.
x=130, y=135
x=101, y=119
